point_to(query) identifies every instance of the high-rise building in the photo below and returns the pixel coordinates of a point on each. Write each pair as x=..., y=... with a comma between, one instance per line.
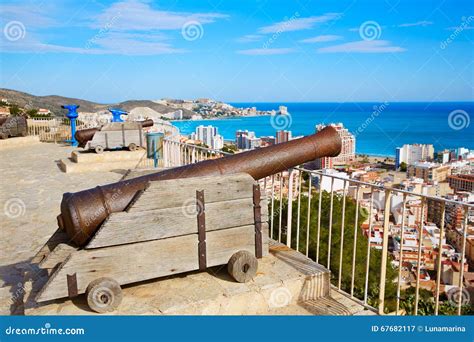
x=246, y=140
x=443, y=157
x=410, y=154
x=209, y=136
x=347, y=150
x=283, y=136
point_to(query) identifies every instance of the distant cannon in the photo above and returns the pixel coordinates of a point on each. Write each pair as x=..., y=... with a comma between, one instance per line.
x=83, y=136
x=13, y=126
x=82, y=212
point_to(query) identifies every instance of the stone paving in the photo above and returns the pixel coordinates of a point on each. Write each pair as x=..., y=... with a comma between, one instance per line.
x=31, y=190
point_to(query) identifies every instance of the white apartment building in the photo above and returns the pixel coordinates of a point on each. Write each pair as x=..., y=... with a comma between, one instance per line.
x=209, y=136
x=412, y=153
x=347, y=151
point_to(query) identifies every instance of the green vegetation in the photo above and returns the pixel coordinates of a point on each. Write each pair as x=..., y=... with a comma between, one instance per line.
x=426, y=301
x=15, y=110
x=403, y=166
x=426, y=304
x=348, y=245
x=229, y=148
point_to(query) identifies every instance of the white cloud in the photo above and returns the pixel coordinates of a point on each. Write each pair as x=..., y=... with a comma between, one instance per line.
x=418, y=23
x=363, y=46
x=137, y=15
x=296, y=24
x=29, y=15
x=321, y=39
x=263, y=52
x=250, y=38
x=109, y=43
x=130, y=27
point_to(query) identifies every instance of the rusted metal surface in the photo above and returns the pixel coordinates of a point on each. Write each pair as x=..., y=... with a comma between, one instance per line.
x=13, y=126
x=257, y=214
x=72, y=285
x=82, y=212
x=85, y=135
x=201, y=223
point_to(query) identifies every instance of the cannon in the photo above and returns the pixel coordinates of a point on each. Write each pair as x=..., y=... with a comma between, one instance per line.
x=13, y=126
x=84, y=211
x=85, y=135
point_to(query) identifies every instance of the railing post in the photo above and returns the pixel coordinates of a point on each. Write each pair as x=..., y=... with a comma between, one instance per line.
x=383, y=267
x=440, y=256
x=418, y=263
x=290, y=208
x=463, y=253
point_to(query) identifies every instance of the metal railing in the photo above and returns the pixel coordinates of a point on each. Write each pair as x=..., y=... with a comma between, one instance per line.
x=52, y=129
x=177, y=153
x=376, y=240
x=393, y=282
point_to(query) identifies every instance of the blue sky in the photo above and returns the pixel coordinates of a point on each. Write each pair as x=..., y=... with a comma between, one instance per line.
x=249, y=51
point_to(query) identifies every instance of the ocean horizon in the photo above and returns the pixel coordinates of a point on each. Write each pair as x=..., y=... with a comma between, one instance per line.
x=379, y=127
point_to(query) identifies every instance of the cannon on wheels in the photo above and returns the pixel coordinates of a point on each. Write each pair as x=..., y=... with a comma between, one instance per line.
x=178, y=220
x=13, y=126
x=210, y=221
x=113, y=135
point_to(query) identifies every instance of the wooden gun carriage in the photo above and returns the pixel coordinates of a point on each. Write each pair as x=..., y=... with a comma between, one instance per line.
x=13, y=126
x=171, y=227
x=115, y=135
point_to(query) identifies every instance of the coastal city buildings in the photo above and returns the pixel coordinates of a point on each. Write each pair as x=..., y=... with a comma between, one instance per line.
x=283, y=136
x=209, y=136
x=428, y=171
x=461, y=182
x=246, y=140
x=347, y=151
x=410, y=154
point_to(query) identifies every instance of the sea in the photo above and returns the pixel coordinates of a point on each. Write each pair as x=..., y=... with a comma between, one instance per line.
x=378, y=127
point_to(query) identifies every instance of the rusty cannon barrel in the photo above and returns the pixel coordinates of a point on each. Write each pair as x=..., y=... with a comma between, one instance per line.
x=84, y=135
x=82, y=212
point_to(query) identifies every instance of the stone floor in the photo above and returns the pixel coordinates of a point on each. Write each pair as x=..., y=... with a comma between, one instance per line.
x=30, y=194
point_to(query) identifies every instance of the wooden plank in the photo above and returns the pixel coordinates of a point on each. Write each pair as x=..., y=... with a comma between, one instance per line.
x=129, y=227
x=146, y=260
x=176, y=192
x=58, y=237
x=57, y=256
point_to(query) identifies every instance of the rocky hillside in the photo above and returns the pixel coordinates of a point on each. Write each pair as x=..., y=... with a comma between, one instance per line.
x=54, y=103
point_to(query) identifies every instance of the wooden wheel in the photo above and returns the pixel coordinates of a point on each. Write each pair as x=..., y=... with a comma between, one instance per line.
x=99, y=149
x=104, y=295
x=132, y=147
x=242, y=266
